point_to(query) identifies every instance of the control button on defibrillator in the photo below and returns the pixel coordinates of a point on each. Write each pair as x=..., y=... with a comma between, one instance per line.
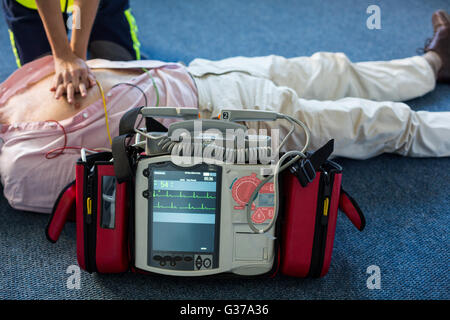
x=207, y=263
x=188, y=259
x=157, y=258
x=242, y=189
x=258, y=216
x=178, y=258
x=270, y=213
x=199, y=262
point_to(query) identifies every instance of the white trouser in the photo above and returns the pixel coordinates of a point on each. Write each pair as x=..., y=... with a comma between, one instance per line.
x=335, y=98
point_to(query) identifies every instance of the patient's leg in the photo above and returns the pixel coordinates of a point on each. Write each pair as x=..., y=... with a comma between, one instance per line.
x=362, y=128
x=332, y=76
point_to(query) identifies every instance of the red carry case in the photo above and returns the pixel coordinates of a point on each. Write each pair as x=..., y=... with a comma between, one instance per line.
x=103, y=203
x=63, y=210
x=309, y=220
x=101, y=216
x=312, y=195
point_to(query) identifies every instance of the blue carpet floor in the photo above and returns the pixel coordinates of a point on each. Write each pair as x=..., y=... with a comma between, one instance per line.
x=406, y=200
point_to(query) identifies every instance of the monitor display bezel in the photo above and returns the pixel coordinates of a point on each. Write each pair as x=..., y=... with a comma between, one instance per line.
x=202, y=167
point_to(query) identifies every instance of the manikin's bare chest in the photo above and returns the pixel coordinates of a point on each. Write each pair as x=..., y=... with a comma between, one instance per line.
x=37, y=102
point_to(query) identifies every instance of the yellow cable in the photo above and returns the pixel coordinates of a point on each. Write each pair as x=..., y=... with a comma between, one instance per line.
x=106, y=111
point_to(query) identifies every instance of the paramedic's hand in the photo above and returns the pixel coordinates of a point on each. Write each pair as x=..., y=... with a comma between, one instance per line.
x=72, y=76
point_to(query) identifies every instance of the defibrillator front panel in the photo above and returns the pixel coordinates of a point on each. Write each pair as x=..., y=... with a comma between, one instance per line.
x=191, y=220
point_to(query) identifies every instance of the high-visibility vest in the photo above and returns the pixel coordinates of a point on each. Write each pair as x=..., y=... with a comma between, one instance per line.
x=31, y=4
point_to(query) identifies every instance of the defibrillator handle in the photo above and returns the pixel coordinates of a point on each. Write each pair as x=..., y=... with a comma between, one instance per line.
x=170, y=112
x=248, y=115
x=206, y=124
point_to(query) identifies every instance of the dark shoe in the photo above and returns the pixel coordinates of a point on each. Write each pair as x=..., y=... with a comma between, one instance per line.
x=440, y=19
x=440, y=43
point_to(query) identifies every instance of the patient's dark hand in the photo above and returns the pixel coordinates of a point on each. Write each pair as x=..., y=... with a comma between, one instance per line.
x=72, y=76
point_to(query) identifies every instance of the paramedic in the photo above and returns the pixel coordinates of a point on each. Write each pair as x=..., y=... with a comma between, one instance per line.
x=110, y=33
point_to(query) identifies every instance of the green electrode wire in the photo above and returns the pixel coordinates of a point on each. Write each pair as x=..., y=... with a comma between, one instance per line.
x=154, y=86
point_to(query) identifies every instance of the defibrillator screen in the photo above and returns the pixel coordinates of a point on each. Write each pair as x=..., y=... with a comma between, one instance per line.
x=184, y=208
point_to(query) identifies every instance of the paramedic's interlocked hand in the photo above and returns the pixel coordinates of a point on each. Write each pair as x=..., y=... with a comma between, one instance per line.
x=72, y=76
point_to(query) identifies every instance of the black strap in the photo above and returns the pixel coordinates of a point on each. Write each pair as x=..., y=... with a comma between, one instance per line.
x=128, y=121
x=322, y=155
x=154, y=126
x=123, y=167
x=305, y=169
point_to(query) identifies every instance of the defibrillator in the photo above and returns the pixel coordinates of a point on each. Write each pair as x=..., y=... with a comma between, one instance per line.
x=205, y=197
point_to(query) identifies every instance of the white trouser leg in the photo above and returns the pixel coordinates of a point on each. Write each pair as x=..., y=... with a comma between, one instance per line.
x=332, y=76
x=361, y=128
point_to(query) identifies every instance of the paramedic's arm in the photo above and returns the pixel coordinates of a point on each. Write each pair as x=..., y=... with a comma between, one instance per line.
x=83, y=16
x=71, y=72
x=82, y=25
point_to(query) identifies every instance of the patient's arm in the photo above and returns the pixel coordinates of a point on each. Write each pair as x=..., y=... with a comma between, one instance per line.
x=37, y=103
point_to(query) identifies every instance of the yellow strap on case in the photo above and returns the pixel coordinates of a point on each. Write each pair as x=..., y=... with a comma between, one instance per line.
x=326, y=203
x=89, y=206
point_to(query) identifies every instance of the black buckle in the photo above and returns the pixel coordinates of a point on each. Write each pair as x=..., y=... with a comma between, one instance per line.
x=304, y=171
x=308, y=170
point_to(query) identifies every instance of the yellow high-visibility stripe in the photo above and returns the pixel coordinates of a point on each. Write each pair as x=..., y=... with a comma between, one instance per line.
x=31, y=4
x=14, y=48
x=133, y=30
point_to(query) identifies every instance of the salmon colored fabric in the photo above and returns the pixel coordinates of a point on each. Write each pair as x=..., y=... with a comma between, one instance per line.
x=30, y=181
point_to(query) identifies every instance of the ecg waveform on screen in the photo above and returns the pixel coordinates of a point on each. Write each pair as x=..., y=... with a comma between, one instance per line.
x=184, y=195
x=187, y=201
x=158, y=205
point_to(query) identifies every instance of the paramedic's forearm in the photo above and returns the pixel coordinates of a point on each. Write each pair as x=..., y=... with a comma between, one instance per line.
x=50, y=13
x=72, y=75
x=83, y=19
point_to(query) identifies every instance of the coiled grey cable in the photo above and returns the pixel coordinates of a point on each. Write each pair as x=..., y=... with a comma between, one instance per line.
x=278, y=170
x=299, y=123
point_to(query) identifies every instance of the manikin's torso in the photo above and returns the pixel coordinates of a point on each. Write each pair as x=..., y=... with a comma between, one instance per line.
x=37, y=102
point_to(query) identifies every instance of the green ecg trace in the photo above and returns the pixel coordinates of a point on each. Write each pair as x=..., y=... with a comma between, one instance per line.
x=181, y=195
x=189, y=207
